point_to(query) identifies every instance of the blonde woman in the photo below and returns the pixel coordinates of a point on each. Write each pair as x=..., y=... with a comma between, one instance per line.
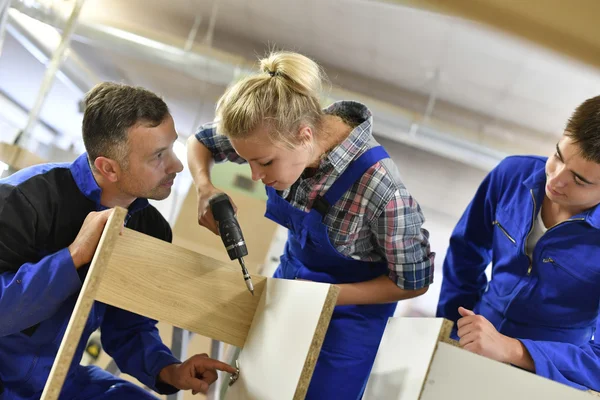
x=351, y=221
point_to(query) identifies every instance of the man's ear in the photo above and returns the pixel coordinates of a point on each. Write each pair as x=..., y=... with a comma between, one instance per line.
x=108, y=168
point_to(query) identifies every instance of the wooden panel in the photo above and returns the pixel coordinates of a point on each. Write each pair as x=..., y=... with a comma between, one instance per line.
x=285, y=340
x=258, y=230
x=180, y=287
x=403, y=358
x=458, y=374
x=84, y=303
x=568, y=27
x=17, y=157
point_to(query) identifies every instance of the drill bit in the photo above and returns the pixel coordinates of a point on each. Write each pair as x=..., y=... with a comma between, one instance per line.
x=246, y=276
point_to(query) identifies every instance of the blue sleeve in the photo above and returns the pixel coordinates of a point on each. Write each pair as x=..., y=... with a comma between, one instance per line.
x=30, y=292
x=576, y=366
x=219, y=145
x=469, y=253
x=135, y=345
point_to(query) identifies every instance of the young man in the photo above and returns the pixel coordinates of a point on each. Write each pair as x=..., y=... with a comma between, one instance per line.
x=537, y=221
x=51, y=219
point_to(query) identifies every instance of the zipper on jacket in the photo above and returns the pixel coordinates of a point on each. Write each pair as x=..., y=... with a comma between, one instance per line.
x=548, y=230
x=564, y=222
x=504, y=231
x=551, y=260
x=529, y=233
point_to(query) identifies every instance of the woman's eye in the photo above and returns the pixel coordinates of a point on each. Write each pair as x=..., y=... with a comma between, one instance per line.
x=266, y=164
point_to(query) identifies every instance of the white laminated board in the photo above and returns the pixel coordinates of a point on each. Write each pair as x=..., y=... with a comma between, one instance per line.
x=416, y=360
x=403, y=358
x=284, y=341
x=458, y=374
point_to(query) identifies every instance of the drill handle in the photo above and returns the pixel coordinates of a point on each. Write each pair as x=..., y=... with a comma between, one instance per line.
x=228, y=226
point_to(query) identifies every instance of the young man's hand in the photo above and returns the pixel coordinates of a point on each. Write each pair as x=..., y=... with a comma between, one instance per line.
x=479, y=336
x=196, y=374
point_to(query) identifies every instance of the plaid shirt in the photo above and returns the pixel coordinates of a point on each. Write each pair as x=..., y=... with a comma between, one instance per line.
x=376, y=219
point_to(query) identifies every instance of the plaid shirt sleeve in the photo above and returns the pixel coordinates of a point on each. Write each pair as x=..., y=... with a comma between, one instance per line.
x=219, y=145
x=399, y=232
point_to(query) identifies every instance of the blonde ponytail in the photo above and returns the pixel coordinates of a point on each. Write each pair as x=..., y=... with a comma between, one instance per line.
x=282, y=97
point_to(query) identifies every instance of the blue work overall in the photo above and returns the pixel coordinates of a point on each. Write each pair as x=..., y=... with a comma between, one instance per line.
x=355, y=331
x=93, y=383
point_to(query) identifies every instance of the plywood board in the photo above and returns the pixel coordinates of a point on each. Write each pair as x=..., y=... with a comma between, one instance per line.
x=281, y=329
x=284, y=341
x=99, y=265
x=18, y=157
x=403, y=357
x=458, y=374
x=180, y=287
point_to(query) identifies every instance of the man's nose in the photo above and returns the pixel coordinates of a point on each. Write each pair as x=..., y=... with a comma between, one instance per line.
x=175, y=166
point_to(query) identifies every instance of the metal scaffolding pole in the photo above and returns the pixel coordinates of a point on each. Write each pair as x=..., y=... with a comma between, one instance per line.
x=4, y=6
x=51, y=70
x=414, y=127
x=179, y=348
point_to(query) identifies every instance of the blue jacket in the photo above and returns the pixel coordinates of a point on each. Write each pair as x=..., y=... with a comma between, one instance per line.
x=41, y=211
x=551, y=301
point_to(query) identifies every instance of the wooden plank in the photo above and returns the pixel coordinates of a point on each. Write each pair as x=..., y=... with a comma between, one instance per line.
x=284, y=341
x=404, y=356
x=178, y=286
x=69, y=343
x=564, y=26
x=17, y=157
x=458, y=374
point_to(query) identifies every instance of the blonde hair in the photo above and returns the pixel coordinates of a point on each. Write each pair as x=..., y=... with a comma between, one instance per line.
x=282, y=97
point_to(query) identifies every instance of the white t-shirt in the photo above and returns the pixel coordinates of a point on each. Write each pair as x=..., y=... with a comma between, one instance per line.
x=538, y=231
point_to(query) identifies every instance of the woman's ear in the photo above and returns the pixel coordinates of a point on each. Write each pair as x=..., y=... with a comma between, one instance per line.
x=305, y=135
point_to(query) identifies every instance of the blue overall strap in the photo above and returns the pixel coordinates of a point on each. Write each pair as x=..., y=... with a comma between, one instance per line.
x=354, y=171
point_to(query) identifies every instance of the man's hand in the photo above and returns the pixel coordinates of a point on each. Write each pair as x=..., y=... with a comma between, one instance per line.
x=84, y=246
x=197, y=373
x=479, y=336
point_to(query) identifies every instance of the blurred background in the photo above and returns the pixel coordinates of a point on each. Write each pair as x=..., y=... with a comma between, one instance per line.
x=453, y=90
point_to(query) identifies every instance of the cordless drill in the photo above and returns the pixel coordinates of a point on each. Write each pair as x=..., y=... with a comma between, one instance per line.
x=230, y=232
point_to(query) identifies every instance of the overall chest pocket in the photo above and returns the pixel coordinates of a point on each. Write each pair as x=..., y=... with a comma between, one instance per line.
x=507, y=260
x=572, y=271
x=567, y=291
x=570, y=280
x=510, y=223
x=504, y=230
